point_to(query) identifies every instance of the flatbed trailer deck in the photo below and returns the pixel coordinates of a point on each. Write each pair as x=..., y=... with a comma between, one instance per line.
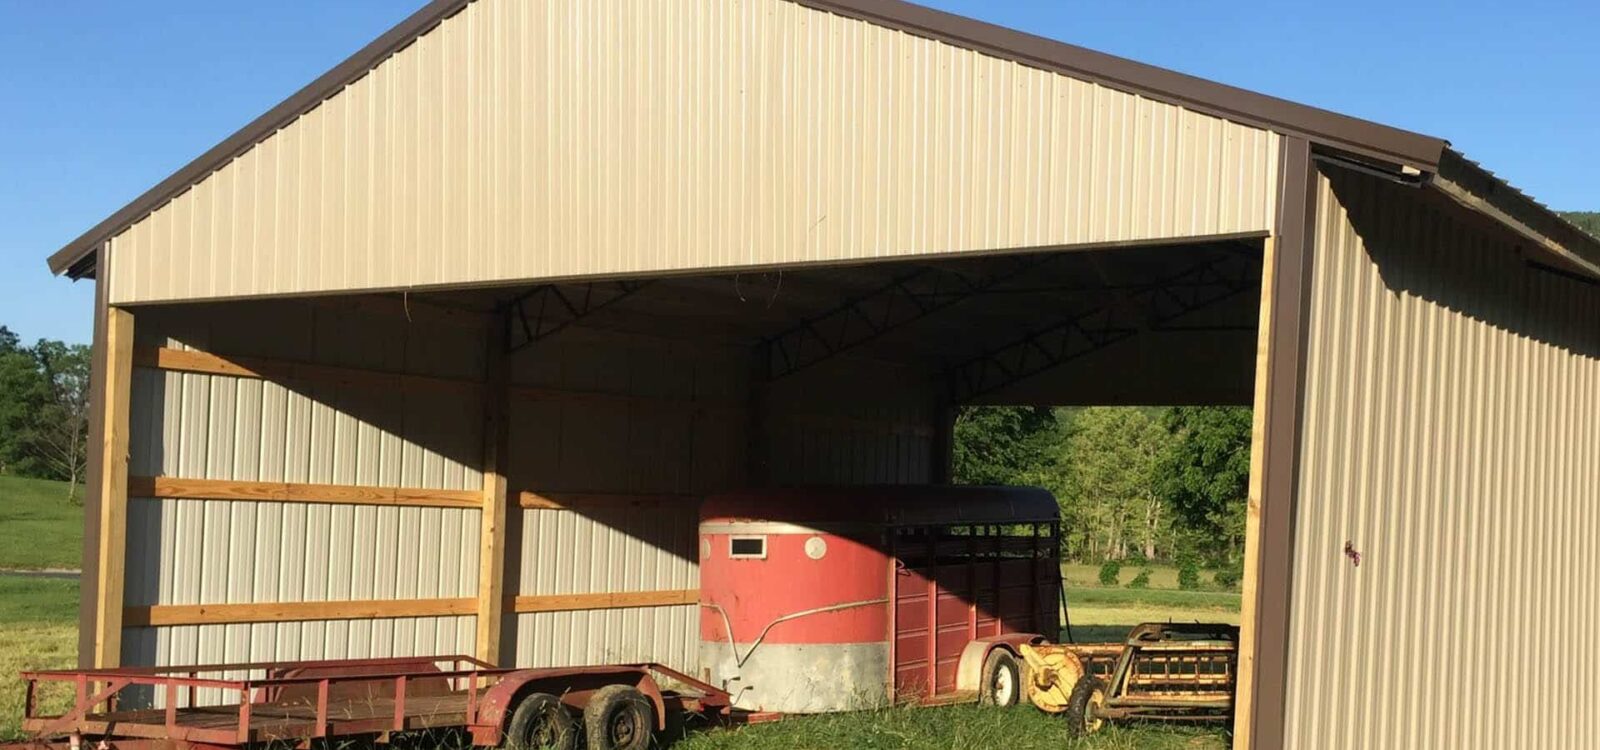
x=301, y=703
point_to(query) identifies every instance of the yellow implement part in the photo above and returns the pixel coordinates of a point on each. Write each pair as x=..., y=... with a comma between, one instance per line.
x=1052, y=672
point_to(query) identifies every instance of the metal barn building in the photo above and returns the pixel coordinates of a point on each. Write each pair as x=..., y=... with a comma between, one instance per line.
x=437, y=355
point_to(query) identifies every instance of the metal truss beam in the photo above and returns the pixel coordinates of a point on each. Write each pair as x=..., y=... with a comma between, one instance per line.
x=910, y=297
x=1146, y=307
x=547, y=309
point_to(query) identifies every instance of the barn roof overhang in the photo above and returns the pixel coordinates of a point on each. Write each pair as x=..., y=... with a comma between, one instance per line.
x=1381, y=146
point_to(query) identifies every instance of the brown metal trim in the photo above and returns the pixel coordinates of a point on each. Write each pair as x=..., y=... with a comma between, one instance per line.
x=1361, y=137
x=89, y=585
x=1469, y=185
x=1346, y=133
x=1282, y=440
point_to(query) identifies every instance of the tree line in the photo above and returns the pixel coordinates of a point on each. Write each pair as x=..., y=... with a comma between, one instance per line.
x=1161, y=484
x=44, y=409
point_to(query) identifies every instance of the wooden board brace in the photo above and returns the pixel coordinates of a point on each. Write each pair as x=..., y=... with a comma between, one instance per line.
x=166, y=615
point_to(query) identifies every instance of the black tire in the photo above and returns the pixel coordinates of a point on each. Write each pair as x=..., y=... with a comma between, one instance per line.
x=1001, y=680
x=619, y=717
x=540, y=722
x=1088, y=694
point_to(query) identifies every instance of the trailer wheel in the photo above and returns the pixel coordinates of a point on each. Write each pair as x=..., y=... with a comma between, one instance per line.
x=1002, y=680
x=541, y=723
x=619, y=717
x=1088, y=697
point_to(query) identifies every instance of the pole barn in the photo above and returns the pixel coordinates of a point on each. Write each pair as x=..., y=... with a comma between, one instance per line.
x=439, y=354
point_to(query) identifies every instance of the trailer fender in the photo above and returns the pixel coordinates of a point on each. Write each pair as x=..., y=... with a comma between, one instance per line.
x=969, y=670
x=573, y=685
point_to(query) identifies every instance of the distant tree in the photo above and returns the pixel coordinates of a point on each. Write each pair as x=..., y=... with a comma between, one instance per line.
x=1588, y=221
x=1003, y=444
x=1204, y=472
x=22, y=389
x=1109, y=493
x=57, y=436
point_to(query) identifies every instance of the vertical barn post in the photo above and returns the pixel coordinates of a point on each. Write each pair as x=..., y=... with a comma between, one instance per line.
x=1275, y=457
x=110, y=504
x=492, y=543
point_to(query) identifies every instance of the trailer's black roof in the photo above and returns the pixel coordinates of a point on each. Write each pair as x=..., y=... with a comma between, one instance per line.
x=910, y=505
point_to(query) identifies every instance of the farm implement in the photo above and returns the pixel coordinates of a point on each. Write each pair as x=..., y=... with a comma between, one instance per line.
x=1162, y=672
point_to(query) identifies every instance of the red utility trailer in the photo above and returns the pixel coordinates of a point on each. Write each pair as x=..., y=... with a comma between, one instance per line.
x=612, y=707
x=835, y=599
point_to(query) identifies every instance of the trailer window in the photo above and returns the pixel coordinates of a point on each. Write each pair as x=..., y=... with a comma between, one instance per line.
x=747, y=547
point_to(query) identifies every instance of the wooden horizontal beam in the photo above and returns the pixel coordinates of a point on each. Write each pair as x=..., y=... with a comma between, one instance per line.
x=184, y=360
x=159, y=615
x=534, y=500
x=291, y=492
x=610, y=600
x=217, y=614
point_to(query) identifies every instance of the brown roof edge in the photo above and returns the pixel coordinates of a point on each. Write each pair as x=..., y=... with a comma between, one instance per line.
x=1469, y=184
x=1359, y=137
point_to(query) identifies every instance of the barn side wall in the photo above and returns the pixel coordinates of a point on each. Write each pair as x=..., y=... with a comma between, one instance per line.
x=1450, y=441
x=519, y=141
x=628, y=431
x=206, y=426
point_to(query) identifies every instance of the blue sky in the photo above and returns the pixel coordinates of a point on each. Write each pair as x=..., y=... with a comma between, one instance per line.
x=101, y=100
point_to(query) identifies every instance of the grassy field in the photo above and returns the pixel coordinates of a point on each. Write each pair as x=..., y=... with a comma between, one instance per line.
x=39, y=528
x=948, y=728
x=38, y=629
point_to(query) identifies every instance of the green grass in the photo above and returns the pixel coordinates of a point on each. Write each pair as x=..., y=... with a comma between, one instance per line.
x=39, y=527
x=948, y=728
x=1105, y=613
x=38, y=630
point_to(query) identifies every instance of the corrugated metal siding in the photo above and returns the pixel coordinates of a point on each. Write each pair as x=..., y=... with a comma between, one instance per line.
x=220, y=427
x=1450, y=437
x=608, y=550
x=686, y=436
x=851, y=422
x=537, y=140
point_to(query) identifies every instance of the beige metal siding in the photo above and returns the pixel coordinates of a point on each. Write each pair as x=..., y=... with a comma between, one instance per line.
x=649, y=548
x=850, y=421
x=672, y=422
x=538, y=140
x=1449, y=437
x=201, y=426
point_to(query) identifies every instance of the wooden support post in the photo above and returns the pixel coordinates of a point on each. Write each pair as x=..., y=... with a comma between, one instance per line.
x=111, y=495
x=1275, y=457
x=492, y=543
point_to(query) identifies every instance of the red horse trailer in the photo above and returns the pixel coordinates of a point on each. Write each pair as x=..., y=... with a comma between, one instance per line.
x=816, y=600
